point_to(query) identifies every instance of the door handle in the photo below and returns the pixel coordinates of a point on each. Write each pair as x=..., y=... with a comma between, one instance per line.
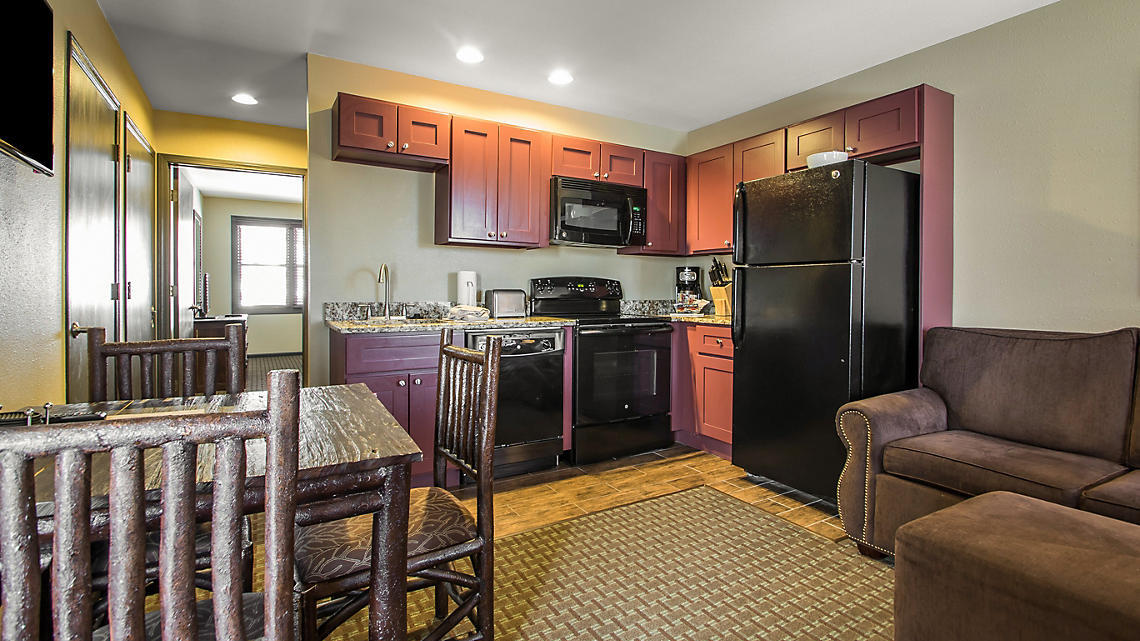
x=76, y=330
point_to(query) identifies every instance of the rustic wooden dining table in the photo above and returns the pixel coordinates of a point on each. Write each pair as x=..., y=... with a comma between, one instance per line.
x=353, y=458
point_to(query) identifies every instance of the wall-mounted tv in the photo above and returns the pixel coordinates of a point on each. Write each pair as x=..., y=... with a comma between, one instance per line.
x=27, y=50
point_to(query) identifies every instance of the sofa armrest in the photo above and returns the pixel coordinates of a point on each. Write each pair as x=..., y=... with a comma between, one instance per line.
x=865, y=427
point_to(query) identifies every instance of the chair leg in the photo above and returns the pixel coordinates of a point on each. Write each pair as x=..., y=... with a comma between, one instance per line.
x=308, y=618
x=485, y=611
x=247, y=569
x=441, y=600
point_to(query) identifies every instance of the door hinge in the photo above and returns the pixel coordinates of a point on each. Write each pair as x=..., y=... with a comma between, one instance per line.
x=173, y=195
x=128, y=163
x=114, y=291
x=172, y=290
x=115, y=152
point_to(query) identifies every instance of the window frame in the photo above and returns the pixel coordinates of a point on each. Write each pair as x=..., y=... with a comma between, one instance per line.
x=292, y=226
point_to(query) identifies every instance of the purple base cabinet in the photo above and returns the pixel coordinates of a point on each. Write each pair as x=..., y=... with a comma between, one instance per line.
x=402, y=370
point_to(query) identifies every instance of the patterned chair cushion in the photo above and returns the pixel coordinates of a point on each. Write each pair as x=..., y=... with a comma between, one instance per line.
x=253, y=612
x=436, y=519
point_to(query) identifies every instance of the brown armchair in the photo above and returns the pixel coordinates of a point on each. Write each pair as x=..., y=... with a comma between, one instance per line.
x=1045, y=414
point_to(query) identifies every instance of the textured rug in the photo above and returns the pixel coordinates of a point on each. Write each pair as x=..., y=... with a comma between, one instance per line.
x=694, y=565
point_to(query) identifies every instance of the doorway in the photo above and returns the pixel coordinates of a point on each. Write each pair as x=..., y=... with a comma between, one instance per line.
x=236, y=252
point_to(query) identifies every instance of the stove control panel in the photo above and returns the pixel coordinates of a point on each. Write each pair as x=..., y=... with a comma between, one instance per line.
x=575, y=287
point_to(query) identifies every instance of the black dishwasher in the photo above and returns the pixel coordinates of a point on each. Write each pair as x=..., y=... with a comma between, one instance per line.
x=528, y=432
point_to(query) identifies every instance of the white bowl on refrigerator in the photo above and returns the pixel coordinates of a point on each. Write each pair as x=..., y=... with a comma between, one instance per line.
x=825, y=158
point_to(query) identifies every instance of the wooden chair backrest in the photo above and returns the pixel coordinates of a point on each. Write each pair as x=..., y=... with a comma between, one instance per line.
x=163, y=353
x=127, y=509
x=466, y=413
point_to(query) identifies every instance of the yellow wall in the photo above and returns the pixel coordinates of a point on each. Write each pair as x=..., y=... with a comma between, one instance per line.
x=32, y=221
x=1047, y=160
x=234, y=140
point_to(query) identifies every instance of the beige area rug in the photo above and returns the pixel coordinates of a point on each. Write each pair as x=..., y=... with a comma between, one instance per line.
x=694, y=565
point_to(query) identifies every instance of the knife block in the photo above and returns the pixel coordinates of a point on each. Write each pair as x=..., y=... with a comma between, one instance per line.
x=722, y=299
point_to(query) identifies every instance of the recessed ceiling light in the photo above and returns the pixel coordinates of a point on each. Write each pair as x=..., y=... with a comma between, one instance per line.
x=244, y=99
x=469, y=54
x=560, y=77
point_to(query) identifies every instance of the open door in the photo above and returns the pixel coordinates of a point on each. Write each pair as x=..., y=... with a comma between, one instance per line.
x=187, y=248
x=138, y=231
x=91, y=213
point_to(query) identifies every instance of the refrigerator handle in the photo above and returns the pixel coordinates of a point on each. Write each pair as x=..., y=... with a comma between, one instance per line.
x=739, y=211
x=738, y=308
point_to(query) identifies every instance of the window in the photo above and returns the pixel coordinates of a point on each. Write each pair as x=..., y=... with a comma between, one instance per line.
x=268, y=265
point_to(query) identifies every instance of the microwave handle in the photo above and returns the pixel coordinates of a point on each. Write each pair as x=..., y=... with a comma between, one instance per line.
x=629, y=221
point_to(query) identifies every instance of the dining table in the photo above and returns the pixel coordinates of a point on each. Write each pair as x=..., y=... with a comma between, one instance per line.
x=353, y=458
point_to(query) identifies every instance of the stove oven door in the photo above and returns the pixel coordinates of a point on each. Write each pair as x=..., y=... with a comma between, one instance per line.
x=621, y=372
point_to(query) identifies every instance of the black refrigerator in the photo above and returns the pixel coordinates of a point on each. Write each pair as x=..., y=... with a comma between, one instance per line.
x=825, y=293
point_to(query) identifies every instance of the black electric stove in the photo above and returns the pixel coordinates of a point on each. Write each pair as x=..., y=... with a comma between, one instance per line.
x=621, y=367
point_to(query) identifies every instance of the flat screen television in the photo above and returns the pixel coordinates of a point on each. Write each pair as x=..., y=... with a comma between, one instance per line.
x=26, y=109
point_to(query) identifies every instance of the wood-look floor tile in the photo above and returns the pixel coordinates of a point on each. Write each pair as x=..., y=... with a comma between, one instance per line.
x=827, y=530
x=804, y=516
x=686, y=482
x=626, y=478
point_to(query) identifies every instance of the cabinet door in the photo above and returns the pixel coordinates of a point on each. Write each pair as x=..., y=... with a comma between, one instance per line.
x=759, y=157
x=366, y=123
x=524, y=186
x=390, y=389
x=710, y=193
x=576, y=158
x=623, y=164
x=822, y=134
x=424, y=133
x=714, y=396
x=665, y=187
x=883, y=123
x=421, y=417
x=474, y=175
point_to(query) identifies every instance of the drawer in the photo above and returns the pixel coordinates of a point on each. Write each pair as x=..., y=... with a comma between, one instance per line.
x=712, y=341
x=390, y=352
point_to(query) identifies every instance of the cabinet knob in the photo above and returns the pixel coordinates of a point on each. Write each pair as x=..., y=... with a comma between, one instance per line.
x=849, y=149
x=391, y=144
x=720, y=342
x=728, y=243
x=649, y=244
x=490, y=234
x=404, y=146
x=606, y=175
x=596, y=174
x=502, y=234
x=402, y=383
x=417, y=381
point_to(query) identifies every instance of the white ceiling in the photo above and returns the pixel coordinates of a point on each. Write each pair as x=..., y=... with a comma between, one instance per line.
x=679, y=64
x=226, y=183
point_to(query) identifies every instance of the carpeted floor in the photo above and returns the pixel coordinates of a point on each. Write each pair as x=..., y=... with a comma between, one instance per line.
x=693, y=565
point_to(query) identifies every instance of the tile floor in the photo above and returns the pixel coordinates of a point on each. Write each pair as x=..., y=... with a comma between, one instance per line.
x=532, y=500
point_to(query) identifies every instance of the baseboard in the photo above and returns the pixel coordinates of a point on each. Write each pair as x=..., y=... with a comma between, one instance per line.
x=275, y=354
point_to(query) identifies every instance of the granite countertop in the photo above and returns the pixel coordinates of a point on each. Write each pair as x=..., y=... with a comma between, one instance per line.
x=706, y=319
x=380, y=326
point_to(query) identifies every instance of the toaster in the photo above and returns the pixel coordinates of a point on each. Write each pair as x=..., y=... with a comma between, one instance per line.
x=505, y=303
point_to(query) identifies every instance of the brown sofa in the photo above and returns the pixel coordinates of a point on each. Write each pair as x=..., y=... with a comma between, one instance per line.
x=1055, y=416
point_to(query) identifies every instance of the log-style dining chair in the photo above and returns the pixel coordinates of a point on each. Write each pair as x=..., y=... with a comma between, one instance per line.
x=334, y=559
x=168, y=359
x=127, y=513
x=159, y=357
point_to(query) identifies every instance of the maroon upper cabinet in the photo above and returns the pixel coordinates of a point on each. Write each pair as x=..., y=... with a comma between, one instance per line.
x=423, y=133
x=759, y=156
x=710, y=192
x=822, y=134
x=665, y=192
x=524, y=187
x=466, y=190
x=883, y=123
x=365, y=123
x=576, y=158
x=623, y=164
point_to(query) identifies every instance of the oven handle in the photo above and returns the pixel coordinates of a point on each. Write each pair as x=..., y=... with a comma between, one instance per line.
x=625, y=331
x=553, y=352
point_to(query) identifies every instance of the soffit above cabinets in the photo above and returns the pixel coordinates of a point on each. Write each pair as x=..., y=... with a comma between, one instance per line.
x=677, y=64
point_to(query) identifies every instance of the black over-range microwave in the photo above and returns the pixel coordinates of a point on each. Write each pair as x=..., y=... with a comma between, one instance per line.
x=595, y=213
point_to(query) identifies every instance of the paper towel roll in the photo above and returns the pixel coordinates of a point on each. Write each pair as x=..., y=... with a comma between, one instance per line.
x=465, y=284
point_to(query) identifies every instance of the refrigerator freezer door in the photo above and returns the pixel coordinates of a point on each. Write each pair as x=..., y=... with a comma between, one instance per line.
x=796, y=362
x=810, y=216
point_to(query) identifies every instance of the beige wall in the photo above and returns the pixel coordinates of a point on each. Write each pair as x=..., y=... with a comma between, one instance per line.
x=221, y=139
x=268, y=333
x=360, y=216
x=32, y=222
x=1047, y=161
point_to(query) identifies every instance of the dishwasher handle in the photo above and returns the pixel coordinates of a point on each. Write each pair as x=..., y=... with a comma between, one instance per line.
x=625, y=331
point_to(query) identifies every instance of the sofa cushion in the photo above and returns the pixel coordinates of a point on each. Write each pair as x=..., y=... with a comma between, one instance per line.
x=972, y=464
x=1069, y=392
x=1118, y=498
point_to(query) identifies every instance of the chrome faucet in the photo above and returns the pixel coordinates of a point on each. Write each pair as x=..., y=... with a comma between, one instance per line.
x=385, y=279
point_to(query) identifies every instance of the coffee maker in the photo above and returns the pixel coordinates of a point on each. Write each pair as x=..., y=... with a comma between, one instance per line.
x=688, y=284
